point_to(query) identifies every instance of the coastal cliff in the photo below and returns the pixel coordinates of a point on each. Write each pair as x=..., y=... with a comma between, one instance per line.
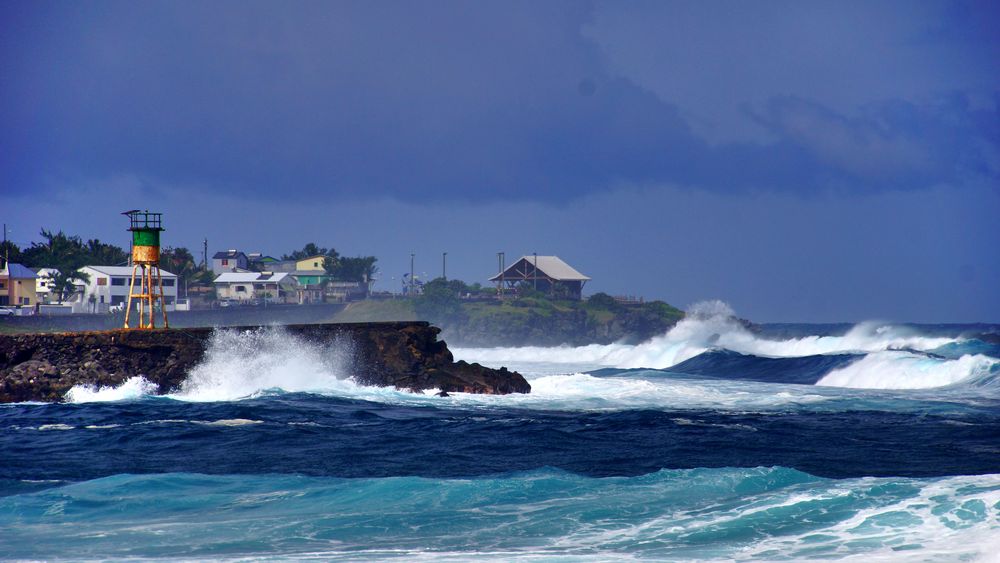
x=405, y=355
x=527, y=321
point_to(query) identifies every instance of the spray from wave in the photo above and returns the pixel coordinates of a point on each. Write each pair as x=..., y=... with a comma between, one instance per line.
x=709, y=325
x=895, y=357
x=247, y=364
x=133, y=388
x=241, y=364
x=251, y=363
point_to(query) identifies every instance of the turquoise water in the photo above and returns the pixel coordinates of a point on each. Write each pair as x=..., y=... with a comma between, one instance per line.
x=726, y=513
x=874, y=443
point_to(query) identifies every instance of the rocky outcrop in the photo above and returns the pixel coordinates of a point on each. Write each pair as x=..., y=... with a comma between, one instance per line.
x=405, y=355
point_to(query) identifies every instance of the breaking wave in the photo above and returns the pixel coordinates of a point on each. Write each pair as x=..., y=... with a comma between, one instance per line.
x=904, y=370
x=133, y=388
x=713, y=325
x=711, y=341
x=724, y=365
x=732, y=514
x=250, y=363
x=242, y=364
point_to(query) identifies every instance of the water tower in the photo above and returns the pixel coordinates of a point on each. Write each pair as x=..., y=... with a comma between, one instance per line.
x=146, y=284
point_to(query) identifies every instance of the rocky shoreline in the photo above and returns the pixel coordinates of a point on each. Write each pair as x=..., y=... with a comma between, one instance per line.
x=404, y=355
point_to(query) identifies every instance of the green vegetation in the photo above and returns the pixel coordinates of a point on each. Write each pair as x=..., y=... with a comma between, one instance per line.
x=310, y=250
x=68, y=254
x=358, y=269
x=373, y=311
x=342, y=268
x=529, y=320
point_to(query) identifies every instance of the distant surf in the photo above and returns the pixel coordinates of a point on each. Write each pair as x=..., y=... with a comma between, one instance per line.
x=875, y=442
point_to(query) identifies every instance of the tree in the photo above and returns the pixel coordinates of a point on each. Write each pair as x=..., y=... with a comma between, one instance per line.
x=360, y=269
x=62, y=251
x=439, y=301
x=68, y=254
x=58, y=251
x=64, y=282
x=604, y=301
x=105, y=254
x=310, y=249
x=10, y=252
x=179, y=261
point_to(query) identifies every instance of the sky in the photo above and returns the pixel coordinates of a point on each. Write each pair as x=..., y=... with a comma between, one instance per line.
x=803, y=161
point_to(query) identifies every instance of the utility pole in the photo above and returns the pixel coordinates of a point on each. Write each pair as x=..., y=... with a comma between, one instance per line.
x=500, y=263
x=411, y=275
x=444, y=265
x=204, y=254
x=6, y=248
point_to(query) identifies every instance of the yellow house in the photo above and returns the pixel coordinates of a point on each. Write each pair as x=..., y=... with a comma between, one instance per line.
x=17, y=286
x=312, y=263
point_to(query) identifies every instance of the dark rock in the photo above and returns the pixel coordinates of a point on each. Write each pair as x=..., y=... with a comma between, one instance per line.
x=405, y=355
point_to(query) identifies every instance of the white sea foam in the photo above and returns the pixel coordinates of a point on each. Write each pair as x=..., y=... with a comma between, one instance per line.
x=132, y=388
x=241, y=364
x=949, y=519
x=246, y=364
x=708, y=325
x=904, y=370
x=231, y=422
x=56, y=427
x=579, y=391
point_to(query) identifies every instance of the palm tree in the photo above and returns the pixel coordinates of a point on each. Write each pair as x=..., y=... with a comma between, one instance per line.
x=63, y=283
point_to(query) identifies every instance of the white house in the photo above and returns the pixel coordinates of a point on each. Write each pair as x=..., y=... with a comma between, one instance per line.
x=44, y=284
x=109, y=286
x=246, y=286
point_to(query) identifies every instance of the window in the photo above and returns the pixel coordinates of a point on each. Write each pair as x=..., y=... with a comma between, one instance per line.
x=117, y=299
x=168, y=282
x=3, y=285
x=25, y=301
x=169, y=300
x=114, y=281
x=225, y=262
x=104, y=281
x=241, y=289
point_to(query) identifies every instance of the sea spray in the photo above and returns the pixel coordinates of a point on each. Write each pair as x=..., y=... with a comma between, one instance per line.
x=240, y=364
x=709, y=325
x=609, y=465
x=133, y=388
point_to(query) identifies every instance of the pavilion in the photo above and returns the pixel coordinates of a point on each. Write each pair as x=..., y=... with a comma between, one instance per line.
x=548, y=274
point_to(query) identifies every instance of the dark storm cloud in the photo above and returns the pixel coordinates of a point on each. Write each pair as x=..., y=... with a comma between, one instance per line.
x=420, y=101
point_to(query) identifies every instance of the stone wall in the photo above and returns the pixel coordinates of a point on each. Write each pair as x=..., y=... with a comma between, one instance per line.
x=405, y=355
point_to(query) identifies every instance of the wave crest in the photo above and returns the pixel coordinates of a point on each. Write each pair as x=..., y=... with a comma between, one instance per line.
x=904, y=370
x=710, y=325
x=133, y=388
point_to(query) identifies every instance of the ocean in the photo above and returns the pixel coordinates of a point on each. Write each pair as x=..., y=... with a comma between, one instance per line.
x=873, y=442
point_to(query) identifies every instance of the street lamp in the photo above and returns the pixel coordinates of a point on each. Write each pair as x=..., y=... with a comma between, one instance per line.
x=444, y=265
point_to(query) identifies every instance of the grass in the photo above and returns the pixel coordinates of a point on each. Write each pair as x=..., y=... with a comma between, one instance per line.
x=374, y=311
